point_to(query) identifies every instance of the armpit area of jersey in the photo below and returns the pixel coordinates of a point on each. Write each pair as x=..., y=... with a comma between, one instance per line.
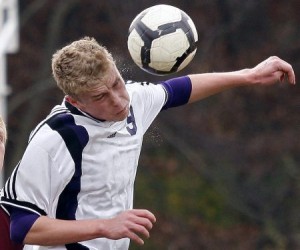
x=178, y=91
x=20, y=223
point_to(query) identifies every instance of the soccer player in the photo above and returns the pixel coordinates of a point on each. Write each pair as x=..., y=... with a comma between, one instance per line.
x=73, y=188
x=5, y=242
x=3, y=135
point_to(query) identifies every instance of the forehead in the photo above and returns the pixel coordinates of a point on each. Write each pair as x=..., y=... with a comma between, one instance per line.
x=105, y=83
x=111, y=76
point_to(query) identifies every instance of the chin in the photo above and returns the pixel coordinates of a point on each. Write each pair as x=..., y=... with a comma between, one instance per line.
x=122, y=117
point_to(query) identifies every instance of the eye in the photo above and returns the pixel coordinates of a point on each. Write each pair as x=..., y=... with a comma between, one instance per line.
x=99, y=97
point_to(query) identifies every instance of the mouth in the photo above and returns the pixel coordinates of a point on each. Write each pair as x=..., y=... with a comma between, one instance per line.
x=123, y=110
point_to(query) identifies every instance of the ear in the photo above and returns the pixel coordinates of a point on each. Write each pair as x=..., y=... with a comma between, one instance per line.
x=73, y=101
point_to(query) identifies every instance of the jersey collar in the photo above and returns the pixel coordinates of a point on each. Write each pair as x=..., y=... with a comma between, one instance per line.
x=77, y=111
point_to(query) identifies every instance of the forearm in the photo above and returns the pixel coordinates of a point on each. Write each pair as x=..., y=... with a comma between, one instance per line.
x=205, y=85
x=133, y=224
x=268, y=72
x=46, y=231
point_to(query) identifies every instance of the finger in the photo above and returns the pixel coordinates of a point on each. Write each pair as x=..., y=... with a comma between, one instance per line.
x=145, y=222
x=282, y=77
x=134, y=237
x=291, y=77
x=287, y=70
x=144, y=213
x=140, y=230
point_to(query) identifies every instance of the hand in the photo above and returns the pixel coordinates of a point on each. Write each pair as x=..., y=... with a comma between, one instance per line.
x=132, y=224
x=273, y=70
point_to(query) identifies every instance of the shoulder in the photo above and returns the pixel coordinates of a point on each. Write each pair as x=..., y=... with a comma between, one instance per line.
x=58, y=128
x=143, y=86
x=131, y=83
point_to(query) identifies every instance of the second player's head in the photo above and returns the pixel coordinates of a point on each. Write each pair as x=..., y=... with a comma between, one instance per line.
x=3, y=136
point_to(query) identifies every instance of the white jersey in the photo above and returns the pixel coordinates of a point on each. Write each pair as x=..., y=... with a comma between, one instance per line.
x=77, y=167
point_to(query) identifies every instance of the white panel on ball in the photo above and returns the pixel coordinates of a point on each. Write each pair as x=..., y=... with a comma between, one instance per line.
x=161, y=15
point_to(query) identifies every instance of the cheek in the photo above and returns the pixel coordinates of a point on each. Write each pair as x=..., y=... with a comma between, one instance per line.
x=125, y=95
x=2, y=153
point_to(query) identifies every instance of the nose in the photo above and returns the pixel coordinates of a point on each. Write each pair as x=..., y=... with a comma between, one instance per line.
x=116, y=99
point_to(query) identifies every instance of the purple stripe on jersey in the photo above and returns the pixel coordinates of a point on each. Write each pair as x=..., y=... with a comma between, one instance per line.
x=20, y=222
x=179, y=91
x=76, y=138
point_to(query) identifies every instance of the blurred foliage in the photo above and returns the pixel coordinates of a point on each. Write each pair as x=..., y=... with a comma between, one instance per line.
x=219, y=174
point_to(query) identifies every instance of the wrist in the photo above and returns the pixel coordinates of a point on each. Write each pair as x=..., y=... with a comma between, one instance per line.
x=248, y=77
x=101, y=228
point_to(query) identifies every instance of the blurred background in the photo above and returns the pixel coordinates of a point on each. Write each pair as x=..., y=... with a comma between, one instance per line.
x=220, y=174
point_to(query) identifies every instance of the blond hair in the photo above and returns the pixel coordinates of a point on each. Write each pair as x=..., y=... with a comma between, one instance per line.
x=80, y=65
x=3, y=132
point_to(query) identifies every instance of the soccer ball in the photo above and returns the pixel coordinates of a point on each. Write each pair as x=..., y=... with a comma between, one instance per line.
x=162, y=39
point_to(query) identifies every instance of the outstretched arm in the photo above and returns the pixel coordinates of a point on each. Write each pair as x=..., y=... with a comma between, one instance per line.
x=134, y=224
x=268, y=72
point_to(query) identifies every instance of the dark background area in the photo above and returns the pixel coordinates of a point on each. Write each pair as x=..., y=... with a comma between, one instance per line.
x=220, y=174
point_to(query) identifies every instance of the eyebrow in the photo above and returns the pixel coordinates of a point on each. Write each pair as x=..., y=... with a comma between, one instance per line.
x=98, y=95
x=116, y=81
